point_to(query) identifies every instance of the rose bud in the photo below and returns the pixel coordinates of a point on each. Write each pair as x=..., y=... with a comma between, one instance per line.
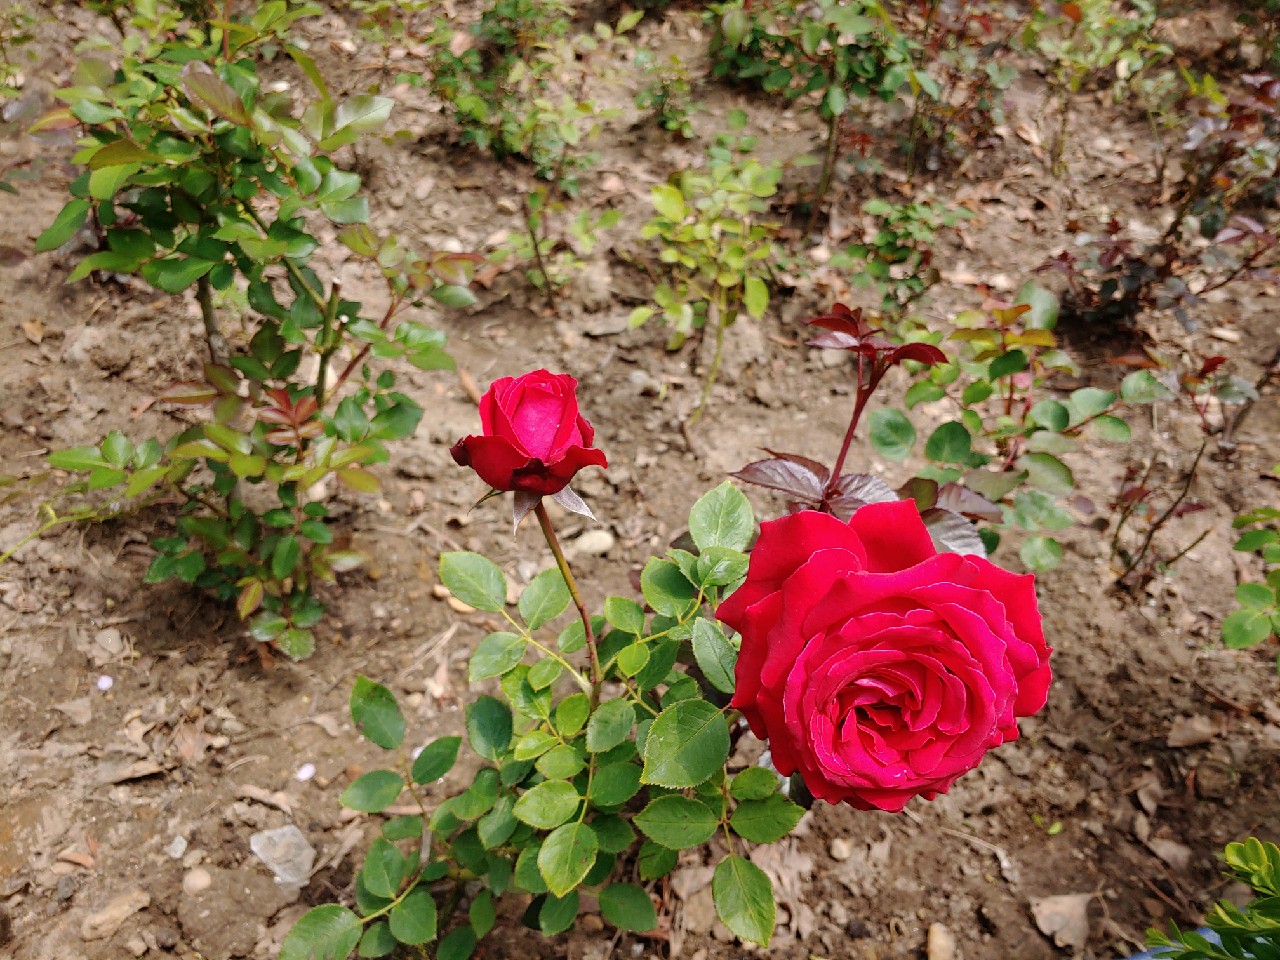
x=875, y=666
x=534, y=439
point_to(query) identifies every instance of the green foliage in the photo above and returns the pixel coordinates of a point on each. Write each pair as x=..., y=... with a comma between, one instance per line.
x=964, y=48
x=516, y=86
x=1084, y=41
x=714, y=243
x=830, y=54
x=1008, y=442
x=1229, y=157
x=1248, y=933
x=898, y=259
x=196, y=176
x=1258, y=615
x=668, y=94
x=574, y=793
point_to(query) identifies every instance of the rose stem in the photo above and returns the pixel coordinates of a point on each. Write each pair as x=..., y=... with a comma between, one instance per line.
x=864, y=394
x=548, y=531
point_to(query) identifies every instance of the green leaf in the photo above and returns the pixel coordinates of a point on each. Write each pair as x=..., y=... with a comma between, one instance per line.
x=403, y=827
x=625, y=614
x=175, y=274
x=548, y=804
x=743, y=895
x=475, y=580
x=454, y=296
x=436, y=759
x=632, y=658
x=1111, y=428
x=688, y=742
x=1090, y=402
x=949, y=443
x=497, y=826
x=1246, y=627
x=489, y=727
x=669, y=202
x=545, y=598
x=1047, y=472
x=1051, y=415
x=496, y=654
x=77, y=458
x=376, y=714
x=560, y=762
x=383, y=870
x=567, y=856
x=678, y=822
x=374, y=791
x=69, y=219
x=1040, y=554
x=1043, y=314
x=557, y=914
x=1142, y=387
x=1257, y=596
x=754, y=783
x=1015, y=361
x=666, y=589
x=284, y=558
x=213, y=93
x=610, y=725
x=655, y=860
x=378, y=940
x=628, y=907
x=572, y=714
x=767, y=820
x=891, y=433
x=329, y=932
x=722, y=518
x=755, y=296
x=716, y=656
x=615, y=784
x=460, y=943
x=413, y=919
x=363, y=113
x=922, y=391
x=481, y=914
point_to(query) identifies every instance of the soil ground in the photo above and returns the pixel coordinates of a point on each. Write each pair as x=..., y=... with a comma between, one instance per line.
x=136, y=798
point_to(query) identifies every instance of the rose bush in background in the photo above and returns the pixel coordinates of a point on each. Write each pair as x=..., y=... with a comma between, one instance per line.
x=875, y=666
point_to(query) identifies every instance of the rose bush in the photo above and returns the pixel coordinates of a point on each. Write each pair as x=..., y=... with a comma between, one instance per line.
x=875, y=666
x=534, y=439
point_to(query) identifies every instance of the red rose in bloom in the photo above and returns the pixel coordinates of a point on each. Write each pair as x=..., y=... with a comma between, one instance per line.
x=534, y=437
x=877, y=667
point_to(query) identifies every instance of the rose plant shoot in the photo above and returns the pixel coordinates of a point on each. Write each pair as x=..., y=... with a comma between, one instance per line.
x=877, y=667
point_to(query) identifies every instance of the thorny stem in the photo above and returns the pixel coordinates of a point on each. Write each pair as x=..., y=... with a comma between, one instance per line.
x=548, y=531
x=716, y=315
x=327, y=342
x=535, y=242
x=828, y=166
x=1163, y=518
x=865, y=390
x=212, y=335
x=358, y=359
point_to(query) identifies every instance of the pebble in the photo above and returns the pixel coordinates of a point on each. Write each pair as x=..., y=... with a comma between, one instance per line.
x=457, y=606
x=286, y=853
x=196, y=881
x=305, y=772
x=177, y=847
x=110, y=640
x=136, y=946
x=104, y=923
x=594, y=543
x=841, y=849
x=941, y=943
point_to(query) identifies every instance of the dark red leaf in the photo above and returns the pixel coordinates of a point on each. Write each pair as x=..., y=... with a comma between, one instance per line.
x=952, y=533
x=785, y=476
x=818, y=468
x=967, y=503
